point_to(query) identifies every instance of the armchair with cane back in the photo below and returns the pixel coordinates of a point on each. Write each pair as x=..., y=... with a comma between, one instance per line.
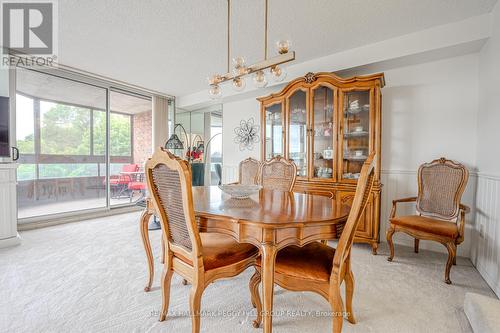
x=198, y=257
x=320, y=268
x=440, y=215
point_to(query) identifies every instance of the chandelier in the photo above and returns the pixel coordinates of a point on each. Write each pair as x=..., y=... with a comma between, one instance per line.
x=241, y=71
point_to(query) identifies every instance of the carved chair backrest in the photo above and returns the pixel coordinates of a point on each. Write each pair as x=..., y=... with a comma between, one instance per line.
x=441, y=184
x=363, y=192
x=249, y=171
x=278, y=174
x=169, y=182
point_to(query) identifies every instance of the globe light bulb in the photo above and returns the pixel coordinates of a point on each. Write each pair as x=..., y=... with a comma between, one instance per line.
x=238, y=61
x=239, y=67
x=259, y=79
x=214, y=79
x=283, y=46
x=239, y=84
x=278, y=73
x=214, y=92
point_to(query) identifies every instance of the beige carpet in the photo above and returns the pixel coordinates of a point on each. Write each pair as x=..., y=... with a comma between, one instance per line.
x=89, y=277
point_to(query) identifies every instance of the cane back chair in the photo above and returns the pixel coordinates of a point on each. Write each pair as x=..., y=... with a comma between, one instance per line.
x=440, y=215
x=198, y=257
x=278, y=174
x=318, y=267
x=249, y=171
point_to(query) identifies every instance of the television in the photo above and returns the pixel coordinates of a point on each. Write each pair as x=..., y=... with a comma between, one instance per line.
x=4, y=127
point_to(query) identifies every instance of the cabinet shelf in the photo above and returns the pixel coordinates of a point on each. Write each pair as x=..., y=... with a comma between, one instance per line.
x=356, y=134
x=355, y=158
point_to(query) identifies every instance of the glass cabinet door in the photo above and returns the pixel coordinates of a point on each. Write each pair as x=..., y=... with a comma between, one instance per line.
x=323, y=132
x=297, y=131
x=274, y=131
x=356, y=132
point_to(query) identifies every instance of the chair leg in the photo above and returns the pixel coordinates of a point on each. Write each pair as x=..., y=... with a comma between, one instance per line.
x=165, y=289
x=337, y=308
x=147, y=248
x=417, y=242
x=349, y=291
x=256, y=302
x=162, y=250
x=452, y=252
x=389, y=234
x=194, y=305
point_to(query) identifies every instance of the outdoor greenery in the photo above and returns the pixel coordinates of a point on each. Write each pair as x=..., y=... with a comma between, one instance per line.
x=66, y=130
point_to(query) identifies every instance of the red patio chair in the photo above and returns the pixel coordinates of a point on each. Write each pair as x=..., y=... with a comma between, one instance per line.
x=119, y=183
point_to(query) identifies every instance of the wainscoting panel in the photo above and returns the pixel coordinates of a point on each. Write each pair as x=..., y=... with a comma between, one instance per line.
x=485, y=252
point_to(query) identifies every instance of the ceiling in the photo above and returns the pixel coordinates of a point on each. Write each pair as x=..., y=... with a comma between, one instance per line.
x=173, y=46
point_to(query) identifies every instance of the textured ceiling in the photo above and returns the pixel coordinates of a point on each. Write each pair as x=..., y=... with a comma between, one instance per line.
x=172, y=46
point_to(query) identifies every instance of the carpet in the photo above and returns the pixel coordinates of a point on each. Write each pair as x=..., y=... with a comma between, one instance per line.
x=89, y=277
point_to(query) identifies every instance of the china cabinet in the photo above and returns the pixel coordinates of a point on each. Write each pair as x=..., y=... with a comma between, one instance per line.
x=328, y=126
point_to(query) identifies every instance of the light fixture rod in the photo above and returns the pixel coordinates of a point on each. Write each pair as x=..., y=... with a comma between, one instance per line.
x=265, y=31
x=228, y=35
x=268, y=63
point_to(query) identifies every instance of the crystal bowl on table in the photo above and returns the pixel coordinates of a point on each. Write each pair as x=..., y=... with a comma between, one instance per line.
x=239, y=191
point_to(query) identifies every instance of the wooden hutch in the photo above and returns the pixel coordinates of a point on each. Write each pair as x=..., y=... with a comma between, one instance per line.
x=328, y=126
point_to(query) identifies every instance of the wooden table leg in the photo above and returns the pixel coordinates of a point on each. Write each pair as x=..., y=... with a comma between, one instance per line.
x=268, y=259
x=146, y=215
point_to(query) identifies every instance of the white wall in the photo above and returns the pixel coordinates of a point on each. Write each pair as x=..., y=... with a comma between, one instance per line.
x=429, y=110
x=485, y=253
x=233, y=113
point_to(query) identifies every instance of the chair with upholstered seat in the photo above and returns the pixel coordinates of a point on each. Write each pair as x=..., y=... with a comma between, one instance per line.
x=200, y=258
x=318, y=267
x=440, y=215
x=278, y=174
x=249, y=171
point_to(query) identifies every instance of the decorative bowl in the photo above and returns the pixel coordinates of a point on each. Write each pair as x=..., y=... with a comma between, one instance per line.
x=238, y=191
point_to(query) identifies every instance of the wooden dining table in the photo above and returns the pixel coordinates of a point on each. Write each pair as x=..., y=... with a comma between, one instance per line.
x=270, y=220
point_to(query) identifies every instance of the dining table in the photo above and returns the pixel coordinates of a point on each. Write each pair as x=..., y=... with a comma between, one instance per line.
x=270, y=220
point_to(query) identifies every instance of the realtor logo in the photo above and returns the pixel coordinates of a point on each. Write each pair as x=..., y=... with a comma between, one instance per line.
x=28, y=27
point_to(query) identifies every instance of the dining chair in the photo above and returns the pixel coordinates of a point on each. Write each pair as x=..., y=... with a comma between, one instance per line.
x=318, y=267
x=278, y=174
x=198, y=257
x=440, y=215
x=249, y=171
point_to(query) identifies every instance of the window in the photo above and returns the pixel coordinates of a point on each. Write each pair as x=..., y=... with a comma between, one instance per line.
x=59, y=121
x=62, y=133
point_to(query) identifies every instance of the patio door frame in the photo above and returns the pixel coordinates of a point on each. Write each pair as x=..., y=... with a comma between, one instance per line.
x=109, y=86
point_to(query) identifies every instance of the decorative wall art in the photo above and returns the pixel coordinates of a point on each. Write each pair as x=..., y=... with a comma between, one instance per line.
x=247, y=134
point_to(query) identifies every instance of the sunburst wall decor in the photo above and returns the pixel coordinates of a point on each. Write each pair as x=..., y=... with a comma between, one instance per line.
x=247, y=134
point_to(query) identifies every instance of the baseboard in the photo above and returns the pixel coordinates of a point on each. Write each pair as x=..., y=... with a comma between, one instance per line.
x=51, y=221
x=11, y=241
x=494, y=285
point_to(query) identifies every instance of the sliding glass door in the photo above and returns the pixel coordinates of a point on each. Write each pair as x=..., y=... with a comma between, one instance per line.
x=70, y=135
x=130, y=146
